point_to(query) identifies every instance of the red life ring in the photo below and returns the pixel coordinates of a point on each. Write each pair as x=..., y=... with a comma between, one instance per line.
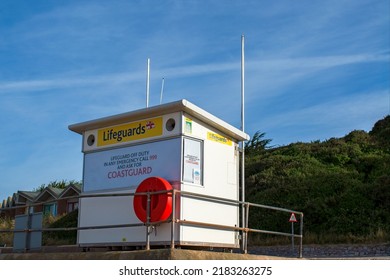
x=160, y=204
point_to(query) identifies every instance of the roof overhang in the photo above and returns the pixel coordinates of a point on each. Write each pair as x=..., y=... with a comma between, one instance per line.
x=177, y=106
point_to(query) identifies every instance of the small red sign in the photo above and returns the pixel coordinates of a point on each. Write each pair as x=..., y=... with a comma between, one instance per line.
x=293, y=219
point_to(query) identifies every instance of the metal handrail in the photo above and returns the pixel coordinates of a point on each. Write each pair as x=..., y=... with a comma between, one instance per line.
x=173, y=220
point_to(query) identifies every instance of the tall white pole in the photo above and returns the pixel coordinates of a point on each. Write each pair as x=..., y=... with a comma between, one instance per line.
x=147, y=83
x=242, y=83
x=162, y=90
x=243, y=217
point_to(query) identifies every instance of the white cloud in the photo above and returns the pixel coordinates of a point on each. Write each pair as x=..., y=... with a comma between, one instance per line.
x=298, y=66
x=334, y=118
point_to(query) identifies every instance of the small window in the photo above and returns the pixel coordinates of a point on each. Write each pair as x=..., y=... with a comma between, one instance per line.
x=50, y=209
x=72, y=206
x=193, y=161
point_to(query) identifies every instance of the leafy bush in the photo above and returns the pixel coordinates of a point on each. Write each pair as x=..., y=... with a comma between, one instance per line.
x=342, y=185
x=61, y=237
x=6, y=239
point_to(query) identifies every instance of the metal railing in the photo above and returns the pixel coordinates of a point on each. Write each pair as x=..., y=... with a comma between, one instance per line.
x=173, y=220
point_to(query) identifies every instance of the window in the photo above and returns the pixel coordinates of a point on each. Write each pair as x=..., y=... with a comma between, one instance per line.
x=72, y=206
x=193, y=161
x=50, y=209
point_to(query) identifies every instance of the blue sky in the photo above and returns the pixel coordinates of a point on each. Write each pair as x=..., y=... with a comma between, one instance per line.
x=314, y=70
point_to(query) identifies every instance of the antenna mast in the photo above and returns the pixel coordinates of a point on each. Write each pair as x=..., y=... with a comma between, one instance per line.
x=243, y=217
x=162, y=90
x=147, y=83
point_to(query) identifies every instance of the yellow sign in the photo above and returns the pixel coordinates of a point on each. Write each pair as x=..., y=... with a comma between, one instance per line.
x=218, y=138
x=130, y=132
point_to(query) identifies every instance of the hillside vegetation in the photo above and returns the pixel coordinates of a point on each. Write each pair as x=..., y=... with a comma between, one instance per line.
x=342, y=185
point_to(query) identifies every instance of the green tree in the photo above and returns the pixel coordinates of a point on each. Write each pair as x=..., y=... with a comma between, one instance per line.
x=257, y=144
x=342, y=184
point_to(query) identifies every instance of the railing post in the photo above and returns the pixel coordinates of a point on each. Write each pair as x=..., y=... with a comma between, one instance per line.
x=148, y=222
x=301, y=238
x=242, y=205
x=292, y=239
x=246, y=225
x=173, y=219
x=28, y=232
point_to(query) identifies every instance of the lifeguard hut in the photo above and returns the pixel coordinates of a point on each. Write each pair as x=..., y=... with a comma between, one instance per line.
x=174, y=146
